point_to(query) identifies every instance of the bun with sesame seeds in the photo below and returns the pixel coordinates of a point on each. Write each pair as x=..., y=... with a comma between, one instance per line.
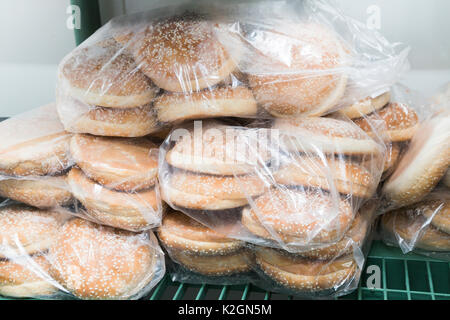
x=298, y=217
x=303, y=80
x=134, y=211
x=25, y=230
x=366, y=106
x=329, y=174
x=201, y=249
x=328, y=135
x=103, y=74
x=209, y=103
x=26, y=278
x=180, y=53
x=97, y=262
x=209, y=192
x=401, y=121
x=303, y=275
x=121, y=164
x=225, y=150
x=179, y=232
x=34, y=143
x=422, y=165
x=131, y=122
x=40, y=192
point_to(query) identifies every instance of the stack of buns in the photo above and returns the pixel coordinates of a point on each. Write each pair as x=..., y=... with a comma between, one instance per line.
x=34, y=158
x=289, y=199
x=417, y=193
x=46, y=254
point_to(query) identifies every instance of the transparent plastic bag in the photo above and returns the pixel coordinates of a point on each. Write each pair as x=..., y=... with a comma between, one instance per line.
x=205, y=60
x=324, y=273
x=423, y=227
x=202, y=255
x=108, y=180
x=292, y=184
x=45, y=254
x=423, y=164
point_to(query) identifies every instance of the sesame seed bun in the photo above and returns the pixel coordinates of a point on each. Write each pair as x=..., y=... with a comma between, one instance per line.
x=354, y=237
x=326, y=135
x=231, y=152
x=208, y=192
x=219, y=102
x=97, y=262
x=133, y=122
x=25, y=230
x=330, y=174
x=422, y=165
x=305, y=79
x=300, y=217
x=34, y=143
x=44, y=192
x=402, y=226
x=180, y=54
x=366, y=106
x=25, y=279
x=131, y=211
x=221, y=265
x=179, y=232
x=303, y=274
x=103, y=74
x=121, y=164
x=400, y=120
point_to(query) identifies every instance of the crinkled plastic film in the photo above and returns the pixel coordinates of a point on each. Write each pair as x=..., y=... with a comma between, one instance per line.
x=108, y=180
x=293, y=185
x=422, y=227
x=325, y=273
x=45, y=254
x=252, y=60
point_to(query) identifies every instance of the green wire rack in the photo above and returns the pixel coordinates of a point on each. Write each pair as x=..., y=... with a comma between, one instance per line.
x=404, y=277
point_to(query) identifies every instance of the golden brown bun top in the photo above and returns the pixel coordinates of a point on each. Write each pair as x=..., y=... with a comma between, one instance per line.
x=328, y=168
x=395, y=115
x=131, y=156
x=319, y=126
x=222, y=144
x=12, y=273
x=180, y=48
x=22, y=226
x=105, y=67
x=183, y=226
x=96, y=262
x=309, y=46
x=296, y=210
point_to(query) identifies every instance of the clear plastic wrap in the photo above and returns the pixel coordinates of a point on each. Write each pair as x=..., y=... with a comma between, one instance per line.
x=393, y=116
x=202, y=255
x=255, y=60
x=423, y=227
x=423, y=164
x=294, y=184
x=44, y=254
x=327, y=272
x=108, y=180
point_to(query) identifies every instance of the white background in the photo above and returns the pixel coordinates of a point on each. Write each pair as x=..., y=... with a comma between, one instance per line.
x=34, y=38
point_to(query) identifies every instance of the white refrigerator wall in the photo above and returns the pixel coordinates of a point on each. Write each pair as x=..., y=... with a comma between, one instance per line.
x=34, y=38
